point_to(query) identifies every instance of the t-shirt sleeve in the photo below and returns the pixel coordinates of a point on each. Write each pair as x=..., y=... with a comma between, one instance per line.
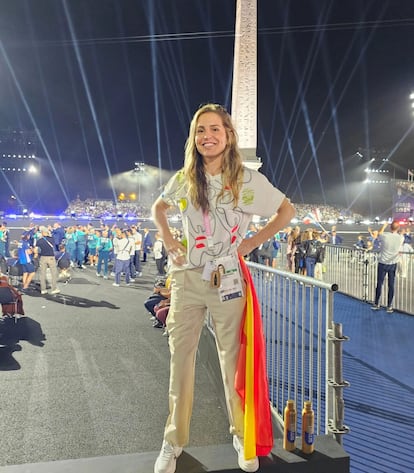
x=170, y=192
x=259, y=196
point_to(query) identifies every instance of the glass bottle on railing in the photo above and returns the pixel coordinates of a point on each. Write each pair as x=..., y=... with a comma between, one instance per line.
x=308, y=426
x=289, y=426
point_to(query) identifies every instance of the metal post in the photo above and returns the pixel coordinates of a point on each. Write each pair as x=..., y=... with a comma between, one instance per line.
x=336, y=425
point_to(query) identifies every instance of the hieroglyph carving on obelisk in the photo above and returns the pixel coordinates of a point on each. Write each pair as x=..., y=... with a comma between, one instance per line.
x=244, y=93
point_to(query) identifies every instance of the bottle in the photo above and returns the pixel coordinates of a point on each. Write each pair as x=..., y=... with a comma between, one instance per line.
x=308, y=426
x=289, y=430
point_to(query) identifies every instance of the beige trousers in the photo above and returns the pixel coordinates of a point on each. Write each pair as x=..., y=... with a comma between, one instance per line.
x=44, y=263
x=190, y=298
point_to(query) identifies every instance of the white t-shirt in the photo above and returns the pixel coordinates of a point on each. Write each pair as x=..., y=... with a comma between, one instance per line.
x=138, y=240
x=158, y=249
x=122, y=248
x=221, y=231
x=390, y=246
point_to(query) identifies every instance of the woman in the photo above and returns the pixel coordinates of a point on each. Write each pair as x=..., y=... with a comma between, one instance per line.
x=217, y=198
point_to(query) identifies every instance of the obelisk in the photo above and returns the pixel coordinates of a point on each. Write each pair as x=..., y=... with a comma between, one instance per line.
x=244, y=92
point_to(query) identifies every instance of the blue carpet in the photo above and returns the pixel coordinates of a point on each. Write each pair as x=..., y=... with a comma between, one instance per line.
x=378, y=361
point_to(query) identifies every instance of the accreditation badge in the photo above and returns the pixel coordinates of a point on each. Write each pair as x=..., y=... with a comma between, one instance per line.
x=224, y=274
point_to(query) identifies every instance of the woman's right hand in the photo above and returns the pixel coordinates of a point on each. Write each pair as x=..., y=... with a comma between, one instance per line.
x=178, y=254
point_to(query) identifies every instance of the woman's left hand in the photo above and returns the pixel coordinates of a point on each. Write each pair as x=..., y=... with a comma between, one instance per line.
x=245, y=247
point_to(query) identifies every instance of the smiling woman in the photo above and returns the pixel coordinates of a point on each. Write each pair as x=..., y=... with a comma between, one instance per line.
x=217, y=197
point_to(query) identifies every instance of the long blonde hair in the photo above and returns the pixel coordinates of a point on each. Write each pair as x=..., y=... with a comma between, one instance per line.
x=232, y=168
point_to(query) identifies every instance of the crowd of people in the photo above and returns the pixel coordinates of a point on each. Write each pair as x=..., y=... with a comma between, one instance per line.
x=306, y=248
x=94, y=208
x=102, y=208
x=54, y=250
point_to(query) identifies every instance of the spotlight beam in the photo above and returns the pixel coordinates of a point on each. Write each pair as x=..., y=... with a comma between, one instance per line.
x=88, y=95
x=154, y=63
x=33, y=121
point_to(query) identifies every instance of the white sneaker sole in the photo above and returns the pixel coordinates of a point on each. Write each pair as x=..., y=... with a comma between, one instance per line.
x=249, y=466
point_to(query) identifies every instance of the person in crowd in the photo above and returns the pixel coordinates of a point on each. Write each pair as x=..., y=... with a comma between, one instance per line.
x=14, y=268
x=320, y=259
x=312, y=252
x=160, y=254
x=146, y=244
x=291, y=248
x=217, y=197
x=374, y=239
x=45, y=251
x=128, y=233
x=299, y=257
x=6, y=235
x=70, y=243
x=58, y=234
x=161, y=314
x=335, y=239
x=104, y=247
x=3, y=236
x=81, y=238
x=9, y=310
x=32, y=230
x=390, y=247
x=122, y=251
x=138, y=246
x=406, y=254
x=361, y=247
x=91, y=243
x=408, y=238
x=360, y=243
x=275, y=249
x=63, y=263
x=284, y=234
x=253, y=256
x=265, y=252
x=161, y=292
x=25, y=255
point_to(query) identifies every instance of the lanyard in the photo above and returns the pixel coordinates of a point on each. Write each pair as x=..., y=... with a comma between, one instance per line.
x=207, y=227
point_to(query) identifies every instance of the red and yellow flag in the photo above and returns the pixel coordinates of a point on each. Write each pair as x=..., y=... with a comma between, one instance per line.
x=251, y=379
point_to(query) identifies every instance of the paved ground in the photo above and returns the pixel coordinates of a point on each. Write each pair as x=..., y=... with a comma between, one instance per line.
x=85, y=374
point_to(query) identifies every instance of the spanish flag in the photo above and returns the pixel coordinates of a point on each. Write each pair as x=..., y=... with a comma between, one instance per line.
x=251, y=380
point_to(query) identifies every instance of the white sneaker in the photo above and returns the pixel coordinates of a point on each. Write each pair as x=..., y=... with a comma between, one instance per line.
x=55, y=291
x=115, y=284
x=167, y=458
x=98, y=274
x=245, y=465
x=132, y=280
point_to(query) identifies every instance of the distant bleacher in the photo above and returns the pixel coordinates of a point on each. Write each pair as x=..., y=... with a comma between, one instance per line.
x=101, y=208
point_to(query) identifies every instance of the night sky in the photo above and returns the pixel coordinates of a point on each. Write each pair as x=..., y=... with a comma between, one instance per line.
x=107, y=83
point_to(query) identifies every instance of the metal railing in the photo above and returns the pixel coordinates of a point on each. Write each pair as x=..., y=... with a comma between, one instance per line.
x=303, y=346
x=355, y=272
x=303, y=349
